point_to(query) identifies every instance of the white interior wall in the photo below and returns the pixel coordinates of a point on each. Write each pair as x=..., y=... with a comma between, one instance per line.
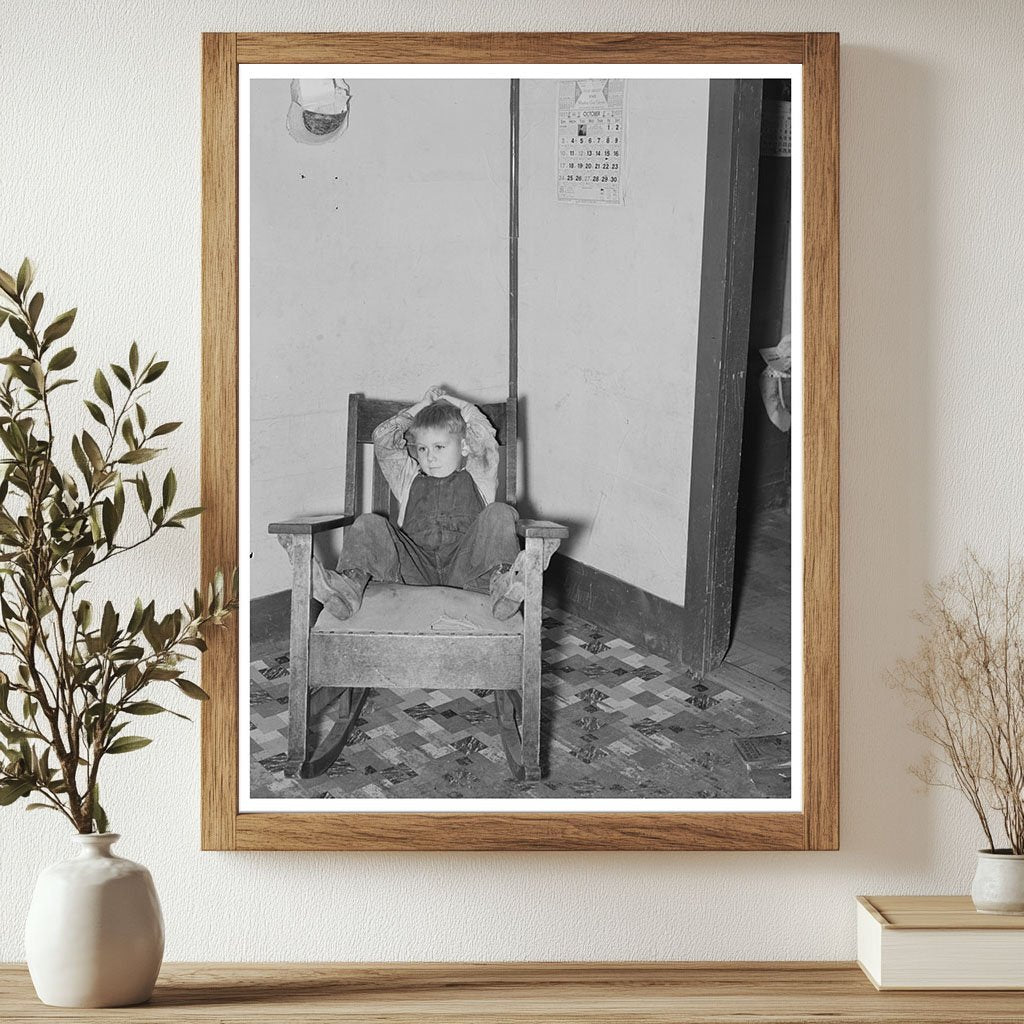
x=609, y=297
x=102, y=185
x=379, y=264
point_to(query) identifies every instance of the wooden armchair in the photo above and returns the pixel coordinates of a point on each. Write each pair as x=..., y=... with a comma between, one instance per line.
x=411, y=638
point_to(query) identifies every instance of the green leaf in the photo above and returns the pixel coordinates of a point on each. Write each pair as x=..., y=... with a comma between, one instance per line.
x=14, y=790
x=20, y=328
x=98, y=815
x=191, y=690
x=80, y=459
x=109, y=521
x=145, y=498
x=129, y=653
x=41, y=807
x=154, y=371
x=128, y=433
x=102, y=388
x=60, y=326
x=138, y=614
x=185, y=513
x=121, y=374
x=125, y=744
x=63, y=359
x=8, y=284
x=92, y=449
x=12, y=733
x=147, y=707
x=108, y=627
x=95, y=412
x=34, y=308
x=165, y=428
x=170, y=488
x=140, y=415
x=133, y=358
x=171, y=674
x=119, y=499
x=139, y=455
x=26, y=273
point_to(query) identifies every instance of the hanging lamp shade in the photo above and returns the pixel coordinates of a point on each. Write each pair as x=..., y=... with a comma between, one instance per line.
x=319, y=110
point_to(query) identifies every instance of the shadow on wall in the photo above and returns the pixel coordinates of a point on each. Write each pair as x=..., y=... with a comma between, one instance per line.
x=889, y=269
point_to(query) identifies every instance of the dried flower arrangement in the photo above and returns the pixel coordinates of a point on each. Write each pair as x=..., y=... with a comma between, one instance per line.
x=967, y=679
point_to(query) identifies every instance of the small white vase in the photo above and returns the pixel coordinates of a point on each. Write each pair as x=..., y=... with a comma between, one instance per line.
x=95, y=934
x=999, y=883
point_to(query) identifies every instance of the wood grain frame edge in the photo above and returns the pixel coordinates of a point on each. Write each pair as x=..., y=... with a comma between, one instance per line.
x=821, y=440
x=219, y=430
x=223, y=828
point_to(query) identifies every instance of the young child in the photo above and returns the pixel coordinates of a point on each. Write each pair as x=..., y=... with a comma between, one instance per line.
x=440, y=459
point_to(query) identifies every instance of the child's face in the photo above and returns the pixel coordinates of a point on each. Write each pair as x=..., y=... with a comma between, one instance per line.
x=438, y=452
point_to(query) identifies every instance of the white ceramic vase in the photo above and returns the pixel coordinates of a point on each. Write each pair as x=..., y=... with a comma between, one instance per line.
x=999, y=883
x=95, y=934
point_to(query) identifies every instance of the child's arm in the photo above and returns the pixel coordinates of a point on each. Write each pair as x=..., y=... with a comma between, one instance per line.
x=389, y=445
x=482, y=442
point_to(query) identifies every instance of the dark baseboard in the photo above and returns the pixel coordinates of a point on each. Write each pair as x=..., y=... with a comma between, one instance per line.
x=619, y=607
x=269, y=616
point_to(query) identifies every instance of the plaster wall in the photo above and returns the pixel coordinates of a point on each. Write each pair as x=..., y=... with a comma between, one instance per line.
x=378, y=265
x=608, y=328
x=101, y=184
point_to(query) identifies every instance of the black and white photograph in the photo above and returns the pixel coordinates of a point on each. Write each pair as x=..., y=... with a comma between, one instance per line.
x=520, y=467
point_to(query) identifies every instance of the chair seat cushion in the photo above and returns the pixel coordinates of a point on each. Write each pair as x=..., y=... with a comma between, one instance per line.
x=444, y=611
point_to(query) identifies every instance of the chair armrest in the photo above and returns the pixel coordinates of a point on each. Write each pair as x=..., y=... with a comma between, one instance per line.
x=541, y=528
x=311, y=525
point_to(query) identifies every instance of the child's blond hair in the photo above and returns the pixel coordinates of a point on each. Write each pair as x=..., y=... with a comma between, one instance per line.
x=440, y=415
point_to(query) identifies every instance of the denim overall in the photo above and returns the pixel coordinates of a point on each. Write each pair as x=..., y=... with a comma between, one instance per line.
x=448, y=538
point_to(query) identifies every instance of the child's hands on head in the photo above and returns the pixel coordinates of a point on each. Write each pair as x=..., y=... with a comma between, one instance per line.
x=434, y=393
x=452, y=400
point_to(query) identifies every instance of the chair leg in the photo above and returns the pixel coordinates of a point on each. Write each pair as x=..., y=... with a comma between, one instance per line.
x=306, y=706
x=509, y=705
x=327, y=751
x=300, y=551
x=519, y=710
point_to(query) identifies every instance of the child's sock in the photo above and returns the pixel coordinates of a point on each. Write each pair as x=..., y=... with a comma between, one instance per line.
x=341, y=593
x=508, y=588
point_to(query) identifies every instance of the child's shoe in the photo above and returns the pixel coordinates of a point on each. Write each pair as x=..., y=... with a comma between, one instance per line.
x=341, y=593
x=508, y=588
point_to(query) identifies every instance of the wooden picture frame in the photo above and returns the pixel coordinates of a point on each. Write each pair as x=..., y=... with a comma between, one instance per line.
x=816, y=826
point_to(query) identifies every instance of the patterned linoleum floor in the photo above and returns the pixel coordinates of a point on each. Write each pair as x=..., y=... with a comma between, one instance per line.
x=617, y=722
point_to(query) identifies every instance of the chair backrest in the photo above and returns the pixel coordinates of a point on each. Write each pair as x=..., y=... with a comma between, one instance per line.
x=366, y=414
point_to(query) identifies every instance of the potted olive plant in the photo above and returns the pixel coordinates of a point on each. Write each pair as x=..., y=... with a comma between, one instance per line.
x=967, y=682
x=78, y=672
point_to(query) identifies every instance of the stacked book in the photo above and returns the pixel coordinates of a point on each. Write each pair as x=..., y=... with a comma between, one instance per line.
x=938, y=942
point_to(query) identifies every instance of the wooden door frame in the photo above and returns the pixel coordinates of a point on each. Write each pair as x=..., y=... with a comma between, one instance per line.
x=723, y=333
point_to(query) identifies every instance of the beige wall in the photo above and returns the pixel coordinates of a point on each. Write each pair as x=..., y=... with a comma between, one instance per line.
x=102, y=186
x=379, y=265
x=608, y=335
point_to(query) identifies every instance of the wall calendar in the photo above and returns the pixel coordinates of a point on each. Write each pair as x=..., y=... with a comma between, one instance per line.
x=591, y=140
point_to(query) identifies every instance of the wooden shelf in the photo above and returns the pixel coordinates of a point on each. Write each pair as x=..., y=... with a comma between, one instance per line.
x=478, y=993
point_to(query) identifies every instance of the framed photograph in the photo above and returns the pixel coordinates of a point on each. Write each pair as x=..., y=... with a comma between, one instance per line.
x=520, y=419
